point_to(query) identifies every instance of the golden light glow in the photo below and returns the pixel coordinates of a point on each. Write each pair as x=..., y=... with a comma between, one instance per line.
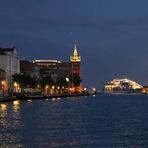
x=3, y=82
x=16, y=106
x=47, y=86
x=75, y=57
x=15, y=84
x=16, y=102
x=3, y=107
x=17, y=87
x=53, y=87
x=38, y=86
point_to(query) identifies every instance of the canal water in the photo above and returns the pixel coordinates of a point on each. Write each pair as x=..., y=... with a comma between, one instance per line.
x=103, y=121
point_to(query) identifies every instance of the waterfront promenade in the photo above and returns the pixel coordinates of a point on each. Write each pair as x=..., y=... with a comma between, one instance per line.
x=33, y=97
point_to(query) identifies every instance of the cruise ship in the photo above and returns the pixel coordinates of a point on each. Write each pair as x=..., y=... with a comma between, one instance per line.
x=122, y=86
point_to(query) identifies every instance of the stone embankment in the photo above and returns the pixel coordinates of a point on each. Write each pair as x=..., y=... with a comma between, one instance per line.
x=33, y=97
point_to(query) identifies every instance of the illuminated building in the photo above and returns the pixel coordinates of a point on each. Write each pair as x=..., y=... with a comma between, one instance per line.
x=9, y=62
x=55, y=68
x=75, y=60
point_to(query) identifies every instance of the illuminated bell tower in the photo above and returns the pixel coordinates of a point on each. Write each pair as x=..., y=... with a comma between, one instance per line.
x=75, y=60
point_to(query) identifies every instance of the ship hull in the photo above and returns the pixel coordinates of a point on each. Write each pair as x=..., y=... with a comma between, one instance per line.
x=126, y=91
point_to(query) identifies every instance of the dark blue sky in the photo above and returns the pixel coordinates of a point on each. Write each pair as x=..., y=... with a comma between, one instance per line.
x=112, y=35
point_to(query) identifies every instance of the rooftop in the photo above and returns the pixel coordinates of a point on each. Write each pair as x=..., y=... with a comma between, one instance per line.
x=4, y=50
x=7, y=49
x=45, y=61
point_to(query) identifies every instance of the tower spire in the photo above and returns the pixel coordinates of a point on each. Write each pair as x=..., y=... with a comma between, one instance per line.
x=75, y=57
x=75, y=54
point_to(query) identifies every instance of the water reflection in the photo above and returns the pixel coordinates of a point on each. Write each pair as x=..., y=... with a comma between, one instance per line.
x=3, y=107
x=102, y=122
x=16, y=106
x=10, y=124
x=16, y=123
x=29, y=101
x=128, y=128
x=9, y=140
x=17, y=102
x=3, y=115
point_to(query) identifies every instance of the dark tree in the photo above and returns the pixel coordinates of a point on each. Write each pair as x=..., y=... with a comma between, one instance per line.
x=47, y=81
x=76, y=80
x=24, y=80
x=61, y=81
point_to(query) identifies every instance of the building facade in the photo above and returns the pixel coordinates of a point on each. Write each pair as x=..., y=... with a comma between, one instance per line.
x=29, y=68
x=2, y=79
x=9, y=62
x=53, y=68
x=2, y=75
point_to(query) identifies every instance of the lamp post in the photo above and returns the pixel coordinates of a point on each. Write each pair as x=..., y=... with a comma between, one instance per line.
x=46, y=89
x=53, y=89
x=15, y=86
x=67, y=80
x=3, y=88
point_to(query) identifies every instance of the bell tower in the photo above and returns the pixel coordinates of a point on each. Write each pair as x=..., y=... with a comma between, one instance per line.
x=75, y=60
x=75, y=57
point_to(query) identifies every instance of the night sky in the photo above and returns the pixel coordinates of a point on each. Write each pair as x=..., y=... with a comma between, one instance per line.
x=112, y=35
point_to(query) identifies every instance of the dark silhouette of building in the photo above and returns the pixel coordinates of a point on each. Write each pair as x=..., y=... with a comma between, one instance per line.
x=29, y=68
x=54, y=68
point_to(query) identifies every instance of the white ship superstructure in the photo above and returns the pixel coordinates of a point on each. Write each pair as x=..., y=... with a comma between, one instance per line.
x=122, y=84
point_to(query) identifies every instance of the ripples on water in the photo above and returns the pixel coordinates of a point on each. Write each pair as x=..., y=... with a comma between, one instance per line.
x=85, y=122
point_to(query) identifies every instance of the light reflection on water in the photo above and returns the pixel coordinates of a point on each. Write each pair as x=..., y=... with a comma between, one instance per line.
x=3, y=107
x=3, y=115
x=10, y=121
x=16, y=106
x=90, y=122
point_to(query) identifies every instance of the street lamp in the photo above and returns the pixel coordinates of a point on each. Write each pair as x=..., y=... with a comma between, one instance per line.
x=52, y=90
x=46, y=89
x=3, y=87
x=67, y=80
x=15, y=85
